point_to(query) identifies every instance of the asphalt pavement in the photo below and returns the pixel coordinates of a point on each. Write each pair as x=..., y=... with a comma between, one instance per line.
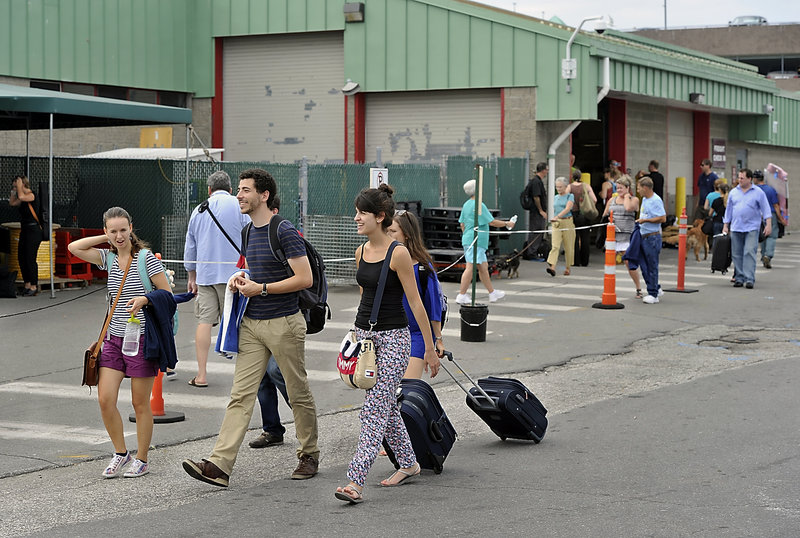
x=665, y=420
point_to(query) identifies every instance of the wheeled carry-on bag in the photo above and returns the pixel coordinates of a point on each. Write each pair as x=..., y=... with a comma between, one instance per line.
x=507, y=406
x=432, y=435
x=721, y=253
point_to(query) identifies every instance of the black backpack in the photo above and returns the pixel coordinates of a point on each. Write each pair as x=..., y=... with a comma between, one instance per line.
x=312, y=300
x=525, y=198
x=423, y=281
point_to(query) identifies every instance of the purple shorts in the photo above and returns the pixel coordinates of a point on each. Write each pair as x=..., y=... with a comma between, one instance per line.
x=136, y=366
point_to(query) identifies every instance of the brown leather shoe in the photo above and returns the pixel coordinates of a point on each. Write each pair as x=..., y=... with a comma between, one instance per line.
x=266, y=439
x=306, y=468
x=207, y=472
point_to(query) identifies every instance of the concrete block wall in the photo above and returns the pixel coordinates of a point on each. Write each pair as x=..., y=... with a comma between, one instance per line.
x=519, y=121
x=647, y=136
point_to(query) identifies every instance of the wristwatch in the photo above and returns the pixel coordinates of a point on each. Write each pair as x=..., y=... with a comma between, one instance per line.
x=264, y=290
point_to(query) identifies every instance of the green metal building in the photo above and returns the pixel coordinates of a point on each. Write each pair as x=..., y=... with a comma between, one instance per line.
x=413, y=80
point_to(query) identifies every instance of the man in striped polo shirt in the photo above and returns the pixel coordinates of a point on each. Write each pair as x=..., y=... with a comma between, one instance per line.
x=272, y=325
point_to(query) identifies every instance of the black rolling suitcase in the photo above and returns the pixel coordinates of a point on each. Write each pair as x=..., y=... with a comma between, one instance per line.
x=507, y=406
x=432, y=435
x=721, y=253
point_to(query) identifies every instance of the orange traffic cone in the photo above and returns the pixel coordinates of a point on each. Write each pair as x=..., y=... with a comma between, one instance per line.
x=609, y=298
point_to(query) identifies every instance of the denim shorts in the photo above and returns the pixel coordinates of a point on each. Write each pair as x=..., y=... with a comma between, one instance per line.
x=136, y=366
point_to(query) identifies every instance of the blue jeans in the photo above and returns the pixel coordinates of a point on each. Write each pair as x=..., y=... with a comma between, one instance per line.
x=651, y=250
x=271, y=383
x=744, y=250
x=768, y=245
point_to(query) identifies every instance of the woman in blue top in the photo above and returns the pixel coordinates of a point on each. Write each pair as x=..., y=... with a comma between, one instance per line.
x=467, y=221
x=563, y=228
x=405, y=229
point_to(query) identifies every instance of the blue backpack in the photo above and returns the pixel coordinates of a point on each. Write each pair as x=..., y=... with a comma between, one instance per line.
x=144, y=277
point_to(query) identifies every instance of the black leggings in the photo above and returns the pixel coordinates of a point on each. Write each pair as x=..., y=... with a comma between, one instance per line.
x=29, y=238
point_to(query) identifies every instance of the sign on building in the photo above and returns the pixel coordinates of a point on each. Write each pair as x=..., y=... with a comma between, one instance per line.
x=378, y=176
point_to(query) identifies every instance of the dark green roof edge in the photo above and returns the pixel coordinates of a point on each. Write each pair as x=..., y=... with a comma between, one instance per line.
x=22, y=99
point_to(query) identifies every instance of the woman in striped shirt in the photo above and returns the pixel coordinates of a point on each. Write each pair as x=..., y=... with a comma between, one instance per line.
x=114, y=365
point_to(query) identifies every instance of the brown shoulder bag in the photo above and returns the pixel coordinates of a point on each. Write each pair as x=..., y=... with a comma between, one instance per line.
x=91, y=366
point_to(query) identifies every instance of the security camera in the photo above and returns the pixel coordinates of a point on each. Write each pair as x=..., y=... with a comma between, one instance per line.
x=769, y=109
x=350, y=88
x=601, y=27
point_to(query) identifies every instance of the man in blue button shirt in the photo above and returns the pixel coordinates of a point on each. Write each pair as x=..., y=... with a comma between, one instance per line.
x=747, y=207
x=768, y=244
x=205, y=242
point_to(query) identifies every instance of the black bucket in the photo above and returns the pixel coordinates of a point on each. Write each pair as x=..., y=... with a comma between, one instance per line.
x=473, y=322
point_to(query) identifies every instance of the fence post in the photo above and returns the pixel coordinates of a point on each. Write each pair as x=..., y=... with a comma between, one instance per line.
x=302, y=194
x=443, y=182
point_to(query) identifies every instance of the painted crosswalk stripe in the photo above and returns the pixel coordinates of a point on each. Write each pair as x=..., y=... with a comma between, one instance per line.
x=227, y=368
x=54, y=390
x=54, y=432
x=537, y=306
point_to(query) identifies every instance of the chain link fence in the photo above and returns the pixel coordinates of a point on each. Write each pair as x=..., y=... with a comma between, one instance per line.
x=160, y=199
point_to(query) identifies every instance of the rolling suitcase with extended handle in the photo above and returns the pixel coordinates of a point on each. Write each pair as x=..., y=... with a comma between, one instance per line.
x=432, y=435
x=507, y=406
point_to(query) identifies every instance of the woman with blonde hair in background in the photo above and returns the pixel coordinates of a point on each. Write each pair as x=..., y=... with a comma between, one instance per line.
x=624, y=207
x=563, y=228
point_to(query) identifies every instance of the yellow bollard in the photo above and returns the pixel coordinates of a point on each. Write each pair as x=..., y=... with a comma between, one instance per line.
x=680, y=194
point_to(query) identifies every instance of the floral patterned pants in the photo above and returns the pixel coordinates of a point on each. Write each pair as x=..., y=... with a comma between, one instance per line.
x=380, y=415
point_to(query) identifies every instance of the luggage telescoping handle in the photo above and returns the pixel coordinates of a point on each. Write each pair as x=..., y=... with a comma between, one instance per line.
x=450, y=358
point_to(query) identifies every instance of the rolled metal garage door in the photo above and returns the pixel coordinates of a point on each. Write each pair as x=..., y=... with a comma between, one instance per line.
x=282, y=97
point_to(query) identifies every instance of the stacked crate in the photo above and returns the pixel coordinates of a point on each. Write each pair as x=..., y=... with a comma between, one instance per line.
x=443, y=239
x=70, y=266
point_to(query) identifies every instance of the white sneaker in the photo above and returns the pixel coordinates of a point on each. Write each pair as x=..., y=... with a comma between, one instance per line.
x=495, y=295
x=116, y=465
x=660, y=292
x=463, y=298
x=138, y=468
x=649, y=299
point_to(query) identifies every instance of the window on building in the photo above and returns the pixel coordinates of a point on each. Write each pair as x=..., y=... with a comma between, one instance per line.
x=112, y=92
x=143, y=96
x=80, y=89
x=172, y=99
x=46, y=85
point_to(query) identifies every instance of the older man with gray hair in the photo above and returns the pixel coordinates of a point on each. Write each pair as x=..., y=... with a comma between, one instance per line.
x=214, y=235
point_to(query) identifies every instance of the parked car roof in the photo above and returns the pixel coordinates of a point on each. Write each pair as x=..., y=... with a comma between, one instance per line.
x=748, y=20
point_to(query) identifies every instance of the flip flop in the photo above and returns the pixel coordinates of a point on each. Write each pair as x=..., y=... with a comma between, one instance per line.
x=196, y=384
x=407, y=476
x=551, y=271
x=343, y=496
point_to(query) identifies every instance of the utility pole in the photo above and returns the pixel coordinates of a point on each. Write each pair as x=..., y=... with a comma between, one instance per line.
x=665, y=14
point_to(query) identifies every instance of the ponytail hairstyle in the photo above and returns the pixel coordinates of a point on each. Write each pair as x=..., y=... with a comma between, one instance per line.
x=724, y=189
x=409, y=225
x=117, y=212
x=377, y=201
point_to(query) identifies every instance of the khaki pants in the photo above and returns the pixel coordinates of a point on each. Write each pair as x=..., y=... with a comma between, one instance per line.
x=563, y=233
x=258, y=339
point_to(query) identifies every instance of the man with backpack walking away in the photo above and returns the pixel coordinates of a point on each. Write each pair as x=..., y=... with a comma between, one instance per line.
x=272, y=324
x=534, y=199
x=209, y=237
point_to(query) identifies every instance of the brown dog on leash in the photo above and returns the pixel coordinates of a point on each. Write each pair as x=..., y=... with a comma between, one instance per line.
x=696, y=239
x=509, y=263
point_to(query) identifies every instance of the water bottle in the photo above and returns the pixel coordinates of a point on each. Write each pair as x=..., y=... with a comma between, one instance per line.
x=130, y=344
x=512, y=220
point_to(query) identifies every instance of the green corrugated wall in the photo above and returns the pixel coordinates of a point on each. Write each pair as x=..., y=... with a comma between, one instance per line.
x=403, y=45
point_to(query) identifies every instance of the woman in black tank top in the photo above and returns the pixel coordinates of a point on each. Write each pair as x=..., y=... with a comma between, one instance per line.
x=380, y=414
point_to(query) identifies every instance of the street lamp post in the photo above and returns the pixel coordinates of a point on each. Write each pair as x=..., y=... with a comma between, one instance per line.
x=569, y=66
